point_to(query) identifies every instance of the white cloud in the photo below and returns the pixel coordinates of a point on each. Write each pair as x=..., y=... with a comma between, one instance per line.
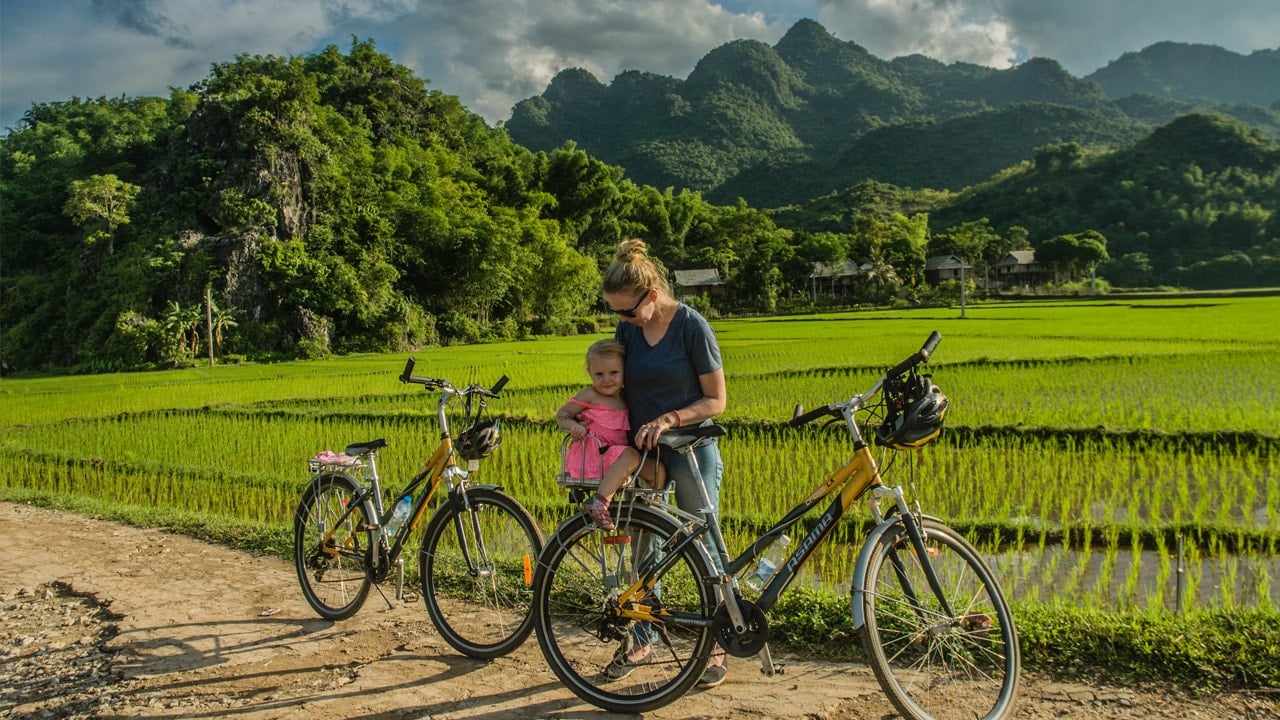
x=497, y=52
x=947, y=30
x=1083, y=35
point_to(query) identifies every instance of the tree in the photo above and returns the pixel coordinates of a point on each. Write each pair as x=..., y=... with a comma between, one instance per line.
x=222, y=320
x=100, y=204
x=1130, y=270
x=820, y=248
x=1076, y=255
x=1058, y=157
x=182, y=331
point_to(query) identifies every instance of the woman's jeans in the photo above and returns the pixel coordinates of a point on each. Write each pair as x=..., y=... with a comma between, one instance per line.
x=688, y=498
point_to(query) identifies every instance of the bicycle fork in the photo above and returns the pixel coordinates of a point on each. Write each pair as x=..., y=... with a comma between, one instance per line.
x=915, y=535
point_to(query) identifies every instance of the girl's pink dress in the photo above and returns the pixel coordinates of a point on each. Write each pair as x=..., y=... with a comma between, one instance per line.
x=606, y=440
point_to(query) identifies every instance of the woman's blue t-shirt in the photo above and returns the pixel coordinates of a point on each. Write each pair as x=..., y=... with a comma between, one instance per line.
x=664, y=377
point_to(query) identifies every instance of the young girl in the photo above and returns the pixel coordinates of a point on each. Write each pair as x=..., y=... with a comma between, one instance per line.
x=597, y=419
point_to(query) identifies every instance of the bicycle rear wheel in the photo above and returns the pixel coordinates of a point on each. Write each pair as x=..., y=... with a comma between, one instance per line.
x=477, y=572
x=580, y=632
x=936, y=665
x=330, y=545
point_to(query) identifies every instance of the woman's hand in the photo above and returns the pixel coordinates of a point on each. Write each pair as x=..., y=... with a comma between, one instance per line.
x=648, y=434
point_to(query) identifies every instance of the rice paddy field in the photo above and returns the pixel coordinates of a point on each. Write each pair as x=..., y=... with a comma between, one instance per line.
x=1117, y=454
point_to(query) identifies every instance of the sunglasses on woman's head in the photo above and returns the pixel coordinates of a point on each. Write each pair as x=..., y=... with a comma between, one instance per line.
x=630, y=312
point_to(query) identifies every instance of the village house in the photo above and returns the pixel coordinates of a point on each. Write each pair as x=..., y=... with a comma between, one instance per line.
x=941, y=268
x=1019, y=267
x=837, y=280
x=704, y=282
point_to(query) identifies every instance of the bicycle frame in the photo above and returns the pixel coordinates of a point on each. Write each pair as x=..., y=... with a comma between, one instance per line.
x=852, y=481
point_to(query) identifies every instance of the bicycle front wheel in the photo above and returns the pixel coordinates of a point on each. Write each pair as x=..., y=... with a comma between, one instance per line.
x=476, y=564
x=330, y=545
x=580, y=629
x=938, y=658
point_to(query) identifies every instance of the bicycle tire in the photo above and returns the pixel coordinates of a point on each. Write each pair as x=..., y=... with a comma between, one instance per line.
x=486, y=613
x=335, y=583
x=580, y=568
x=935, y=666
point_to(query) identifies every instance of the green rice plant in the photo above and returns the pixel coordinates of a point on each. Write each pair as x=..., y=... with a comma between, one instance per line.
x=1128, y=596
x=1070, y=420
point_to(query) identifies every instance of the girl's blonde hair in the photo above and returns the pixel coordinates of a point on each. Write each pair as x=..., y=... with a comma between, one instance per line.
x=633, y=271
x=607, y=347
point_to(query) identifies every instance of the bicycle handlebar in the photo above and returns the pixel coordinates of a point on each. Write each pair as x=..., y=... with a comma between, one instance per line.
x=800, y=417
x=408, y=377
x=921, y=355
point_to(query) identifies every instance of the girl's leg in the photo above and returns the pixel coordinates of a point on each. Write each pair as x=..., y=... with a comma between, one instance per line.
x=616, y=475
x=597, y=506
x=652, y=474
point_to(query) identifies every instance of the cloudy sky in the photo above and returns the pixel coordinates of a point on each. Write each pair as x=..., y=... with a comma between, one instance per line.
x=494, y=53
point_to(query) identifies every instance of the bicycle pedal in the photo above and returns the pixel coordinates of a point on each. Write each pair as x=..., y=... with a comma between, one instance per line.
x=616, y=539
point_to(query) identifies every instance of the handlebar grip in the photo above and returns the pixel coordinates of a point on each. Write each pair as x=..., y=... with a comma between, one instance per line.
x=918, y=356
x=408, y=377
x=799, y=419
x=930, y=345
x=497, y=387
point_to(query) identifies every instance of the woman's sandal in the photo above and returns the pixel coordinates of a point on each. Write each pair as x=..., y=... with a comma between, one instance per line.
x=621, y=666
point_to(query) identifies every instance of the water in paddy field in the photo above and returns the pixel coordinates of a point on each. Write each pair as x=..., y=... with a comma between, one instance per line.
x=1137, y=579
x=1119, y=579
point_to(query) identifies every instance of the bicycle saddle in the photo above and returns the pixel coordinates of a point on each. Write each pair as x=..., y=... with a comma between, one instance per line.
x=364, y=447
x=687, y=438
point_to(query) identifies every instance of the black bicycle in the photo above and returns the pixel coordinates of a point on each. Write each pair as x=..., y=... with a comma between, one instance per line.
x=934, y=624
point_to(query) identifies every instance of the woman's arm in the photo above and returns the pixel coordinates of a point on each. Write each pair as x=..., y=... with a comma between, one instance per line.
x=712, y=403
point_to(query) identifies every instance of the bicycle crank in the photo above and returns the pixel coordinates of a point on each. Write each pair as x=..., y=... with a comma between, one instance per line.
x=747, y=643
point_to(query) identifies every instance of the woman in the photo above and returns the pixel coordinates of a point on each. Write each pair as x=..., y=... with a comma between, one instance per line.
x=673, y=364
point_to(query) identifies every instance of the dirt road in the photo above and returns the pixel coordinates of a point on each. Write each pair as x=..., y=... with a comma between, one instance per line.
x=108, y=621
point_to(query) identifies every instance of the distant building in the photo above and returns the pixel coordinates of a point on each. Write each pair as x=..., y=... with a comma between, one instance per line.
x=701, y=281
x=940, y=268
x=1019, y=267
x=835, y=280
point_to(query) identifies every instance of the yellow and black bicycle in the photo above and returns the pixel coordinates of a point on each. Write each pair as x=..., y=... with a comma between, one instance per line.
x=934, y=624
x=478, y=549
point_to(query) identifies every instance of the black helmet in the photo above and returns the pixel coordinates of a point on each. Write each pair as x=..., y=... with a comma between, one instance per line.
x=479, y=440
x=920, y=411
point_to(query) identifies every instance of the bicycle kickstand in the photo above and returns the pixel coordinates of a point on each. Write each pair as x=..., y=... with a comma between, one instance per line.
x=399, y=585
x=767, y=666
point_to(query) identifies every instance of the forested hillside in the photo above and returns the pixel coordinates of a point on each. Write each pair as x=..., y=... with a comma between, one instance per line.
x=814, y=114
x=316, y=204
x=1196, y=203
